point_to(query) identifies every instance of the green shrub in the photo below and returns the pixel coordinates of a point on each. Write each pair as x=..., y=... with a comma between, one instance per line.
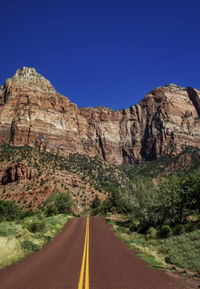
x=172, y=202
x=183, y=250
x=7, y=230
x=96, y=203
x=30, y=213
x=191, y=227
x=51, y=210
x=9, y=211
x=36, y=227
x=58, y=204
x=123, y=230
x=96, y=206
x=47, y=239
x=164, y=231
x=96, y=211
x=133, y=226
x=29, y=246
x=179, y=198
x=151, y=233
x=178, y=229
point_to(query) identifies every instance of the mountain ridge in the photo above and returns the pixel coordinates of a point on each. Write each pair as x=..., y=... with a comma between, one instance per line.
x=33, y=113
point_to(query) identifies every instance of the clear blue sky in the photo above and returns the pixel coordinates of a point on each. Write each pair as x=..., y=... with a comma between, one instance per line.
x=103, y=52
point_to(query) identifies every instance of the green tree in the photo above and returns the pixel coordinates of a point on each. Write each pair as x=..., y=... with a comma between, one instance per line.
x=9, y=211
x=96, y=202
x=179, y=197
x=58, y=204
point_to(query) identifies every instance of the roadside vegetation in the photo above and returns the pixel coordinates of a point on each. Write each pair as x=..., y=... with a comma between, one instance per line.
x=22, y=233
x=162, y=222
x=180, y=253
x=158, y=204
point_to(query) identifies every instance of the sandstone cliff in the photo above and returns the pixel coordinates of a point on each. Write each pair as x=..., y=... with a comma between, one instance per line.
x=33, y=113
x=16, y=172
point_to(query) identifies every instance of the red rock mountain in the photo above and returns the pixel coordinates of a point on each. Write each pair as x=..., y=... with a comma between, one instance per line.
x=33, y=113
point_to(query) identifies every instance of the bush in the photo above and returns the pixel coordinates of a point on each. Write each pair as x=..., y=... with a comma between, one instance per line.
x=35, y=227
x=133, y=226
x=116, y=202
x=7, y=230
x=172, y=203
x=164, y=231
x=178, y=229
x=30, y=213
x=141, y=198
x=96, y=203
x=96, y=211
x=151, y=233
x=179, y=198
x=183, y=251
x=29, y=246
x=9, y=211
x=191, y=227
x=58, y=204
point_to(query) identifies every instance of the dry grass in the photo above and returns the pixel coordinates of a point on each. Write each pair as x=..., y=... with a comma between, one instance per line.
x=10, y=251
x=17, y=240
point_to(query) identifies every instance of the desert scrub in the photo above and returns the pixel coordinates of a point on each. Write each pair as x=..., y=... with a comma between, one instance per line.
x=10, y=250
x=29, y=246
x=183, y=251
x=172, y=253
x=148, y=251
x=19, y=239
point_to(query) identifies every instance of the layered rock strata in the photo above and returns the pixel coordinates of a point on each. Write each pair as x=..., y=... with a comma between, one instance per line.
x=16, y=172
x=33, y=113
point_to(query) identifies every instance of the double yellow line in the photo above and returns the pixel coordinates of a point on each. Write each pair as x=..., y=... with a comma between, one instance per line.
x=85, y=260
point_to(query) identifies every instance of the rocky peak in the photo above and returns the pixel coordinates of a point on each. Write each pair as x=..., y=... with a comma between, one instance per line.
x=163, y=94
x=99, y=108
x=28, y=76
x=173, y=86
x=163, y=123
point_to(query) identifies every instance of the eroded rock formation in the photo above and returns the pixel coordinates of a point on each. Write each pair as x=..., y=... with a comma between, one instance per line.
x=16, y=172
x=33, y=113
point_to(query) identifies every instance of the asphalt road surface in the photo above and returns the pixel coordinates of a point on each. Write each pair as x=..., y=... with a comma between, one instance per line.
x=85, y=255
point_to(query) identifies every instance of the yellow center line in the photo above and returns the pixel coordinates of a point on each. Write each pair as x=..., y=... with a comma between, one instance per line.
x=85, y=260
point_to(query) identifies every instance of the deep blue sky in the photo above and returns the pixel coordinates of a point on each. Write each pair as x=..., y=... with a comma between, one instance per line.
x=104, y=52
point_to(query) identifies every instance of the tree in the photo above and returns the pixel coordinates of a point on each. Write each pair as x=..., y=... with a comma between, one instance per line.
x=96, y=202
x=58, y=204
x=9, y=211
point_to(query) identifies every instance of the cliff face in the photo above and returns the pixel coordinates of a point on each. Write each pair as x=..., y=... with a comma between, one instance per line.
x=33, y=113
x=16, y=172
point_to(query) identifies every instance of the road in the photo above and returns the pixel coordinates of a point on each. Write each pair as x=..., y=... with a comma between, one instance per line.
x=85, y=255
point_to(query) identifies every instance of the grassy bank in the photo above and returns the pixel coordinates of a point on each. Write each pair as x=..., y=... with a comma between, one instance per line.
x=177, y=253
x=20, y=238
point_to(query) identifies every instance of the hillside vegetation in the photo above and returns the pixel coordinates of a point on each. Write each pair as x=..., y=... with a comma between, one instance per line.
x=79, y=175
x=158, y=201
x=19, y=238
x=180, y=253
x=187, y=161
x=23, y=232
x=159, y=211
